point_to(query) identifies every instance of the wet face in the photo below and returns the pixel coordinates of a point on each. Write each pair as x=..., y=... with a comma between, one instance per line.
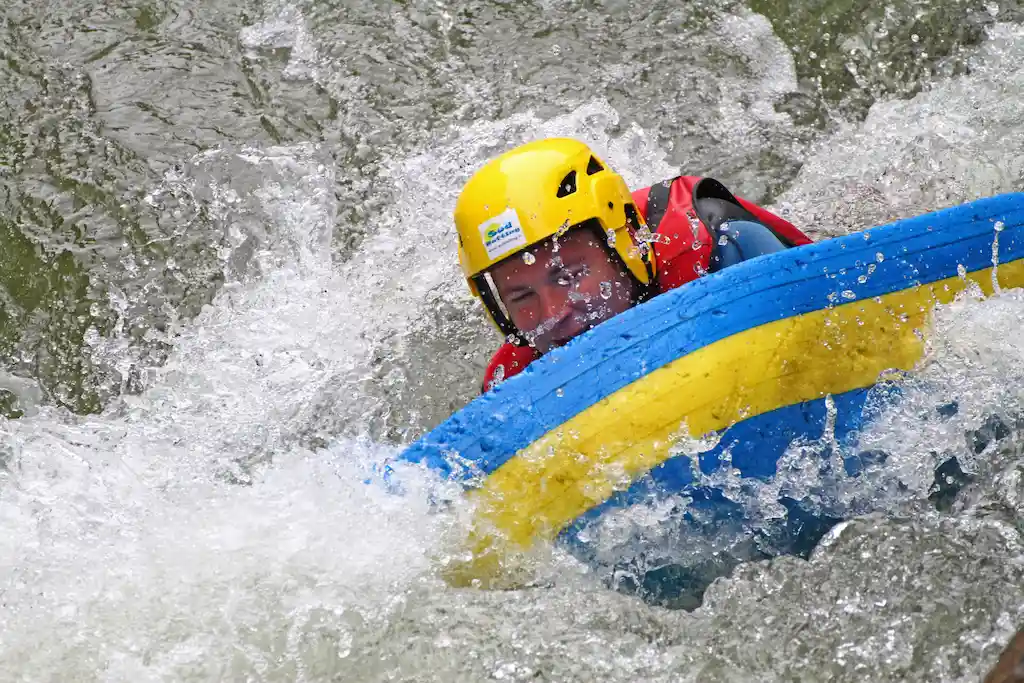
x=560, y=289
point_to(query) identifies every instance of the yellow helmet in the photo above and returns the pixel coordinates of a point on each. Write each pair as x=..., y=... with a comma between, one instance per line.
x=534, y=192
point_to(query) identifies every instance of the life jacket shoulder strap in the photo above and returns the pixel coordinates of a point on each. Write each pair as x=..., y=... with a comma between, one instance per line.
x=657, y=203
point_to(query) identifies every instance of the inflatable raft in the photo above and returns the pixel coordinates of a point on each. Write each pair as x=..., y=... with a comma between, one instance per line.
x=782, y=348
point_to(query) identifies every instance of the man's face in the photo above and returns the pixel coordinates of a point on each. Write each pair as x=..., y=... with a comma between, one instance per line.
x=561, y=288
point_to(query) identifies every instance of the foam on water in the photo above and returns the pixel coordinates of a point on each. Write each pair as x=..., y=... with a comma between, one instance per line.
x=186, y=534
x=955, y=142
x=110, y=576
x=214, y=525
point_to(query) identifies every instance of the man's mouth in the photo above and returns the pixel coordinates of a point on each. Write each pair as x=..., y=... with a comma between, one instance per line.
x=562, y=341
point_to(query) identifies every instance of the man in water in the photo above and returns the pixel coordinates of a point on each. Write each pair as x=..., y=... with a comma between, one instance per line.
x=553, y=243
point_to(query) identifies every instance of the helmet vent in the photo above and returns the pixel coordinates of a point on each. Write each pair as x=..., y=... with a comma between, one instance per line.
x=567, y=186
x=594, y=166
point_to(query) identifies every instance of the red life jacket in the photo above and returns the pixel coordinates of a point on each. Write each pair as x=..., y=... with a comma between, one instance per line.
x=682, y=251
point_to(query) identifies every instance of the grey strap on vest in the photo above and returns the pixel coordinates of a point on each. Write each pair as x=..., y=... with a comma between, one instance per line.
x=657, y=203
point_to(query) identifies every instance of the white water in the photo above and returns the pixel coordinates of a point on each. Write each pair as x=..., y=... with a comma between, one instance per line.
x=216, y=526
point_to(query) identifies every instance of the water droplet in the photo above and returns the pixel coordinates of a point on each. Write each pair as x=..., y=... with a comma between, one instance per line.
x=961, y=270
x=862, y=279
x=528, y=258
x=559, y=392
x=999, y=226
x=606, y=290
x=723, y=240
x=610, y=235
x=879, y=256
x=848, y=294
x=499, y=373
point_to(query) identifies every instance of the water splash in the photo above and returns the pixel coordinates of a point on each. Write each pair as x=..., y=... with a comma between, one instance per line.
x=128, y=555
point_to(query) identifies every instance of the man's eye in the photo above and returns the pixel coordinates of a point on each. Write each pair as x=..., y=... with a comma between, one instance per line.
x=569, y=275
x=519, y=297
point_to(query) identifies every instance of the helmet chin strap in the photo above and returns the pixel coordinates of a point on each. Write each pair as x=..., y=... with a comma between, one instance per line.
x=489, y=295
x=644, y=291
x=634, y=218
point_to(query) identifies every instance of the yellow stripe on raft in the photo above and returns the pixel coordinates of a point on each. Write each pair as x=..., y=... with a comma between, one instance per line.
x=579, y=465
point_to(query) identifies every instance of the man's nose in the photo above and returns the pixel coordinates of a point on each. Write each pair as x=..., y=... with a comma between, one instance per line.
x=553, y=302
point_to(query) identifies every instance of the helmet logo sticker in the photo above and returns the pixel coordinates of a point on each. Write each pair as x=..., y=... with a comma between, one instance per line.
x=502, y=234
